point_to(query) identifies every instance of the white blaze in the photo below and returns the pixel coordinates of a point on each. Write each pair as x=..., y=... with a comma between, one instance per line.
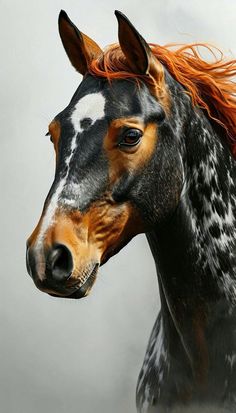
x=90, y=106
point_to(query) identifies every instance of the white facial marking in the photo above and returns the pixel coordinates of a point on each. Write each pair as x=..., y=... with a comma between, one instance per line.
x=90, y=106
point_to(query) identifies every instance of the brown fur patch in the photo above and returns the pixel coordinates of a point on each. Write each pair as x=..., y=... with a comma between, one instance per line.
x=93, y=237
x=133, y=159
x=112, y=225
x=55, y=131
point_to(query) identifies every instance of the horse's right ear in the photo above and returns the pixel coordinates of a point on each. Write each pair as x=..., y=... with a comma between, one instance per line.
x=80, y=49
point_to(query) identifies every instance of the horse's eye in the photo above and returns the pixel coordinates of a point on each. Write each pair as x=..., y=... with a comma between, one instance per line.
x=131, y=137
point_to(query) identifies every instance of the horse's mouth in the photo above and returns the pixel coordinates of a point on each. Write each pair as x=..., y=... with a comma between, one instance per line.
x=81, y=289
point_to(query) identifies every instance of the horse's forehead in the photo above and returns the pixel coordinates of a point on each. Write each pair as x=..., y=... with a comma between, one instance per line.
x=96, y=99
x=88, y=110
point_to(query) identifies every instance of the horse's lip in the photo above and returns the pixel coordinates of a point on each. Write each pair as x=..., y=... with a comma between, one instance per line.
x=79, y=290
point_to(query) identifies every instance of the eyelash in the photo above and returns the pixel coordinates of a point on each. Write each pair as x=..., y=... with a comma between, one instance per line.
x=48, y=134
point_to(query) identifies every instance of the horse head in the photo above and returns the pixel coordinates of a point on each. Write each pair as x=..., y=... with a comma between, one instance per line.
x=118, y=169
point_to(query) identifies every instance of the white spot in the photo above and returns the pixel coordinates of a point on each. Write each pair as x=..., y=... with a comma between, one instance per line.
x=90, y=106
x=231, y=359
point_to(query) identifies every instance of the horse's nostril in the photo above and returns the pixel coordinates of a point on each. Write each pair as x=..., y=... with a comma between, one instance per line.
x=59, y=264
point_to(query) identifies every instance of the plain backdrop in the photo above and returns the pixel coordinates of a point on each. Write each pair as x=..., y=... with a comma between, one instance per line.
x=62, y=356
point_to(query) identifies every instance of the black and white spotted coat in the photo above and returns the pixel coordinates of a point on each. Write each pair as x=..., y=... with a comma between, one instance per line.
x=191, y=355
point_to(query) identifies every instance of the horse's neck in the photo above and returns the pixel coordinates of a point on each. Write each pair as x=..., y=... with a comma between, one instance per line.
x=195, y=254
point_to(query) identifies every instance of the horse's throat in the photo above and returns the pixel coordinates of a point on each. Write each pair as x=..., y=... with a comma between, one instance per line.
x=182, y=303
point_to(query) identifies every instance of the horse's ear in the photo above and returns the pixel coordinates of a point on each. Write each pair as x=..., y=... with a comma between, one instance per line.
x=80, y=49
x=134, y=47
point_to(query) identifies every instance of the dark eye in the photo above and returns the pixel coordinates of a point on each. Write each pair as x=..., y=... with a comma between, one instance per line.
x=131, y=137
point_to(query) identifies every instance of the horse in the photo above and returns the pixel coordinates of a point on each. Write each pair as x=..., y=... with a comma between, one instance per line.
x=147, y=144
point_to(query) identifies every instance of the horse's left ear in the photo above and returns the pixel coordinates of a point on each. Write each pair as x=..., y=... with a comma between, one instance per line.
x=80, y=49
x=135, y=48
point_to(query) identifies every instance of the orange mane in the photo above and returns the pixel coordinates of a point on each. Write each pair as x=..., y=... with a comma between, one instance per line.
x=210, y=84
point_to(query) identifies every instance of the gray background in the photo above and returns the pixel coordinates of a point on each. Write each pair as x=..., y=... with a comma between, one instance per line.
x=61, y=356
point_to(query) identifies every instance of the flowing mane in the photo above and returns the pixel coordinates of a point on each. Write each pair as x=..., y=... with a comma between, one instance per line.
x=211, y=85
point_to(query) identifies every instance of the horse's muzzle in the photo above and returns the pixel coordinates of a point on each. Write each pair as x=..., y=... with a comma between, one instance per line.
x=53, y=272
